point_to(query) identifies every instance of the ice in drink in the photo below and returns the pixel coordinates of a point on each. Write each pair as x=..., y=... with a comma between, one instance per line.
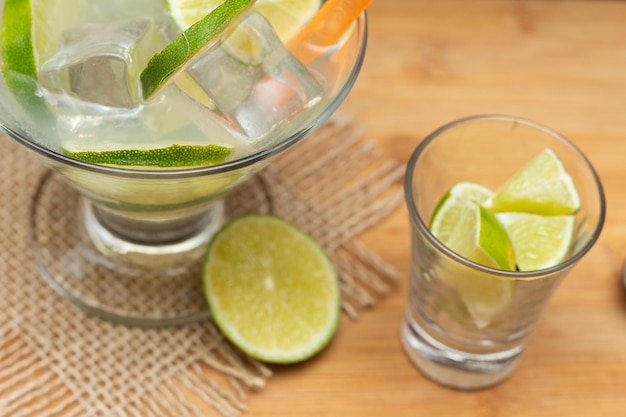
x=240, y=94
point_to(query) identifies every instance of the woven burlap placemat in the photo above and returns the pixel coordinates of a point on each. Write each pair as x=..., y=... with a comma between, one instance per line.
x=57, y=361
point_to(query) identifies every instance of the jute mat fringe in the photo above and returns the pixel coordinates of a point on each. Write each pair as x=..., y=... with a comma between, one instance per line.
x=55, y=361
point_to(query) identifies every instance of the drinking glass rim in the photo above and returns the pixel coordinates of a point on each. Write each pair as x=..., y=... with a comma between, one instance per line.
x=518, y=275
x=362, y=33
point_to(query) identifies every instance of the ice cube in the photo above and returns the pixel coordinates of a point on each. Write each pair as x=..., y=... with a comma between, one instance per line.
x=173, y=119
x=91, y=126
x=100, y=62
x=253, y=80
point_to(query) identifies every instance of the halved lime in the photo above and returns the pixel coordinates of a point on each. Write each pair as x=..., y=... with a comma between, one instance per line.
x=449, y=209
x=285, y=16
x=542, y=186
x=539, y=242
x=271, y=289
x=165, y=64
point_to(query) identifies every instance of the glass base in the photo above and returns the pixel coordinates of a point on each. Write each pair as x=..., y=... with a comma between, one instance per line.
x=156, y=257
x=130, y=283
x=453, y=368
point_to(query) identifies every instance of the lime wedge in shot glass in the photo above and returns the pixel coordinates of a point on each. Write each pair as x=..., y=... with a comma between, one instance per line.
x=542, y=186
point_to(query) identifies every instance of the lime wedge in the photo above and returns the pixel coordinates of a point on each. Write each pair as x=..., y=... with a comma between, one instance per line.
x=539, y=242
x=481, y=238
x=285, y=16
x=163, y=65
x=472, y=191
x=537, y=236
x=170, y=157
x=542, y=187
x=485, y=298
x=449, y=209
x=271, y=289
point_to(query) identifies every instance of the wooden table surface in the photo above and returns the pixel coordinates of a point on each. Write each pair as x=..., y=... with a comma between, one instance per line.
x=561, y=63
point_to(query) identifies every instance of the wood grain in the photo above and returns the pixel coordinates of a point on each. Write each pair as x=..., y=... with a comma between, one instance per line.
x=561, y=63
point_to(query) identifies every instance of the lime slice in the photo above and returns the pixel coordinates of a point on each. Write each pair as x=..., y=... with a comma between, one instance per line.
x=449, y=209
x=170, y=157
x=271, y=289
x=542, y=187
x=163, y=65
x=539, y=242
x=30, y=32
x=285, y=16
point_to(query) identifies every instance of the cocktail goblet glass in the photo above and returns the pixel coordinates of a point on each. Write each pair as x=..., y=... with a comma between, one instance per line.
x=127, y=244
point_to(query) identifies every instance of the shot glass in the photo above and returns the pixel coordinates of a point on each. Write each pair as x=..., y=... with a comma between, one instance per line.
x=472, y=335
